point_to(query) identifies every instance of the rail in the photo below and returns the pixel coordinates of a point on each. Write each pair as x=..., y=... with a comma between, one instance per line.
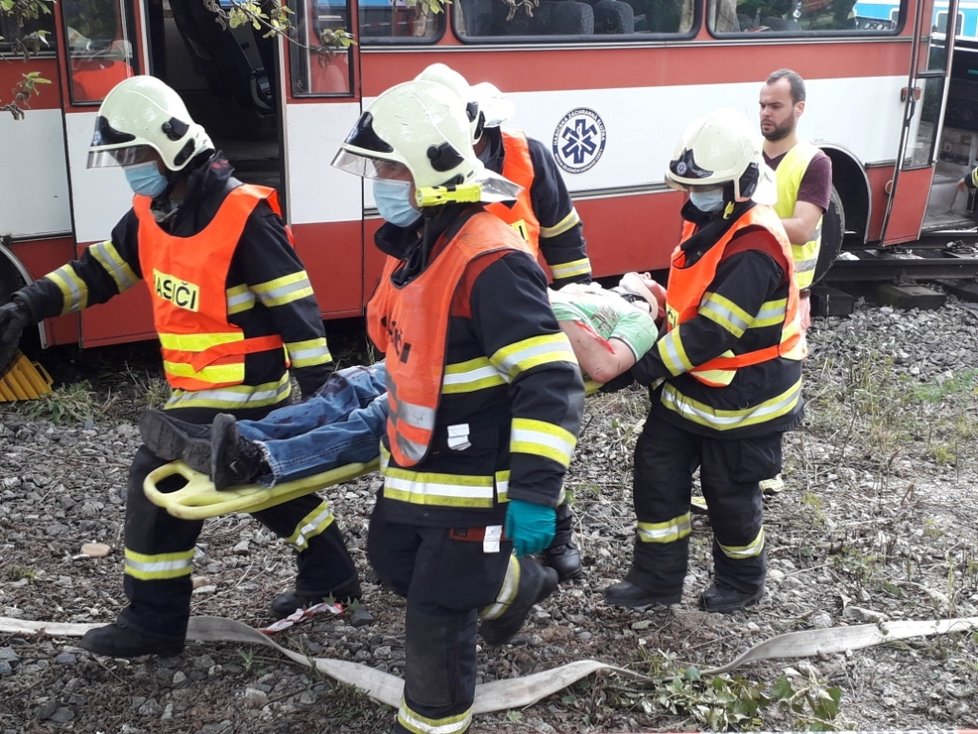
x=938, y=256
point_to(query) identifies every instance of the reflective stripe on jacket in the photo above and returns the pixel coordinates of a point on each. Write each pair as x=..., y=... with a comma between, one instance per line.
x=187, y=280
x=688, y=284
x=789, y=174
x=518, y=168
x=410, y=324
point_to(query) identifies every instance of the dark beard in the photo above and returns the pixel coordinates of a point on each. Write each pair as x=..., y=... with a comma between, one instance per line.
x=780, y=132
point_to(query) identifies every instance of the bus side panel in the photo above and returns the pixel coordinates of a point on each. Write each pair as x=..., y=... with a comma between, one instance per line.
x=908, y=208
x=631, y=232
x=878, y=176
x=34, y=184
x=911, y=195
x=333, y=258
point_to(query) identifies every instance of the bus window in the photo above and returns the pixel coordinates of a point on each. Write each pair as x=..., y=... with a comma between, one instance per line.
x=98, y=34
x=318, y=74
x=548, y=20
x=802, y=16
x=398, y=21
x=940, y=25
x=35, y=36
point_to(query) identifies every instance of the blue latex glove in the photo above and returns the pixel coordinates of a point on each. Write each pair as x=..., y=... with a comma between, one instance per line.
x=531, y=527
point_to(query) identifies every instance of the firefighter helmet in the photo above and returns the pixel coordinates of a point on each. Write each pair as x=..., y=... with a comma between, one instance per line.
x=719, y=148
x=419, y=131
x=142, y=113
x=446, y=75
x=485, y=104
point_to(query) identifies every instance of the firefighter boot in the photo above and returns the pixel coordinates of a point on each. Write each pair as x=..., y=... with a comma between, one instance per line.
x=724, y=599
x=171, y=438
x=326, y=571
x=233, y=460
x=655, y=578
x=285, y=604
x=563, y=555
x=534, y=584
x=737, y=582
x=122, y=640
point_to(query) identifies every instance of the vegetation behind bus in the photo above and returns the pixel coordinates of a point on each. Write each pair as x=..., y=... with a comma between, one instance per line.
x=24, y=12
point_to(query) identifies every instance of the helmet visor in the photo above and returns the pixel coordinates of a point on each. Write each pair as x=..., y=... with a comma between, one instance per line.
x=120, y=156
x=767, y=186
x=368, y=167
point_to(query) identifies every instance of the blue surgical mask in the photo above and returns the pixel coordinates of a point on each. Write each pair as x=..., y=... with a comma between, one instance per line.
x=708, y=201
x=394, y=203
x=146, y=179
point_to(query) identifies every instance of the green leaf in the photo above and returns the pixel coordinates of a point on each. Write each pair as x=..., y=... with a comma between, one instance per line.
x=782, y=689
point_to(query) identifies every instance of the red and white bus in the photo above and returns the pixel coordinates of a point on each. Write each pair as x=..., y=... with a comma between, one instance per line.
x=609, y=84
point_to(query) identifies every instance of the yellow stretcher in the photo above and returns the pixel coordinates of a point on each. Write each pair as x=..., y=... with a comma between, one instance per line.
x=25, y=380
x=197, y=499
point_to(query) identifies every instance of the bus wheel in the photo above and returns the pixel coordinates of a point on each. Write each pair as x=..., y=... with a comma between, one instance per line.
x=833, y=231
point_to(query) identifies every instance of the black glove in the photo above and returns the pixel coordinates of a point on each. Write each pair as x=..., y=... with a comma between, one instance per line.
x=648, y=369
x=615, y=384
x=14, y=318
x=312, y=379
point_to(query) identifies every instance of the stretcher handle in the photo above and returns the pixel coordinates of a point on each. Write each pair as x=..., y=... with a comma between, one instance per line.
x=198, y=499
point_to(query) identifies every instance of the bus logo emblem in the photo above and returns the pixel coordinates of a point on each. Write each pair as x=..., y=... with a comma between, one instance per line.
x=579, y=140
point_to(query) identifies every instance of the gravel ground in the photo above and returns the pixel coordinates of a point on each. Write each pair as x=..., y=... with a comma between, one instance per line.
x=877, y=523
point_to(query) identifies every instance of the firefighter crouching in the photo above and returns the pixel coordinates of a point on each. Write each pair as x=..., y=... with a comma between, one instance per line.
x=230, y=298
x=485, y=399
x=725, y=378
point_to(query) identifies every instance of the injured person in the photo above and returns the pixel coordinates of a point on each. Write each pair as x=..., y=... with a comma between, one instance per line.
x=342, y=423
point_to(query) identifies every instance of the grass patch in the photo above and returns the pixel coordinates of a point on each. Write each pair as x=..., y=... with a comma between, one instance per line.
x=730, y=702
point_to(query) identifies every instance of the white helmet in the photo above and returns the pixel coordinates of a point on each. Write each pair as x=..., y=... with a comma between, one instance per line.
x=446, y=75
x=495, y=108
x=485, y=104
x=717, y=148
x=419, y=131
x=142, y=111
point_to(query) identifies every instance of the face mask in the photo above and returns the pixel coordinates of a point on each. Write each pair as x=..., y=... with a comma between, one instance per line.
x=393, y=202
x=146, y=179
x=707, y=201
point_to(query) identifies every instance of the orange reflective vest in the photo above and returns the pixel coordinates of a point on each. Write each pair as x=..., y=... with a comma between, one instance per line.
x=409, y=324
x=688, y=285
x=187, y=280
x=518, y=168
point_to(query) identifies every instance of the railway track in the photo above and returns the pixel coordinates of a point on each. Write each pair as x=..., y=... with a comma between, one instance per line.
x=939, y=256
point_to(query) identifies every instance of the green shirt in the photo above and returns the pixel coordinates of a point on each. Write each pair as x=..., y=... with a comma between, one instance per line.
x=610, y=315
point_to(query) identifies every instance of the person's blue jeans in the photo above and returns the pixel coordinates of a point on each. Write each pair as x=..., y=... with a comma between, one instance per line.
x=341, y=424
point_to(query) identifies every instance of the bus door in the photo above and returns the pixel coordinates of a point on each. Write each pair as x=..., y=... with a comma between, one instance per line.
x=957, y=153
x=99, y=44
x=916, y=179
x=321, y=103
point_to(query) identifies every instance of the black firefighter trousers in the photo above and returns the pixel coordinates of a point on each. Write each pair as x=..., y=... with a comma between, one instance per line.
x=447, y=580
x=160, y=607
x=666, y=457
